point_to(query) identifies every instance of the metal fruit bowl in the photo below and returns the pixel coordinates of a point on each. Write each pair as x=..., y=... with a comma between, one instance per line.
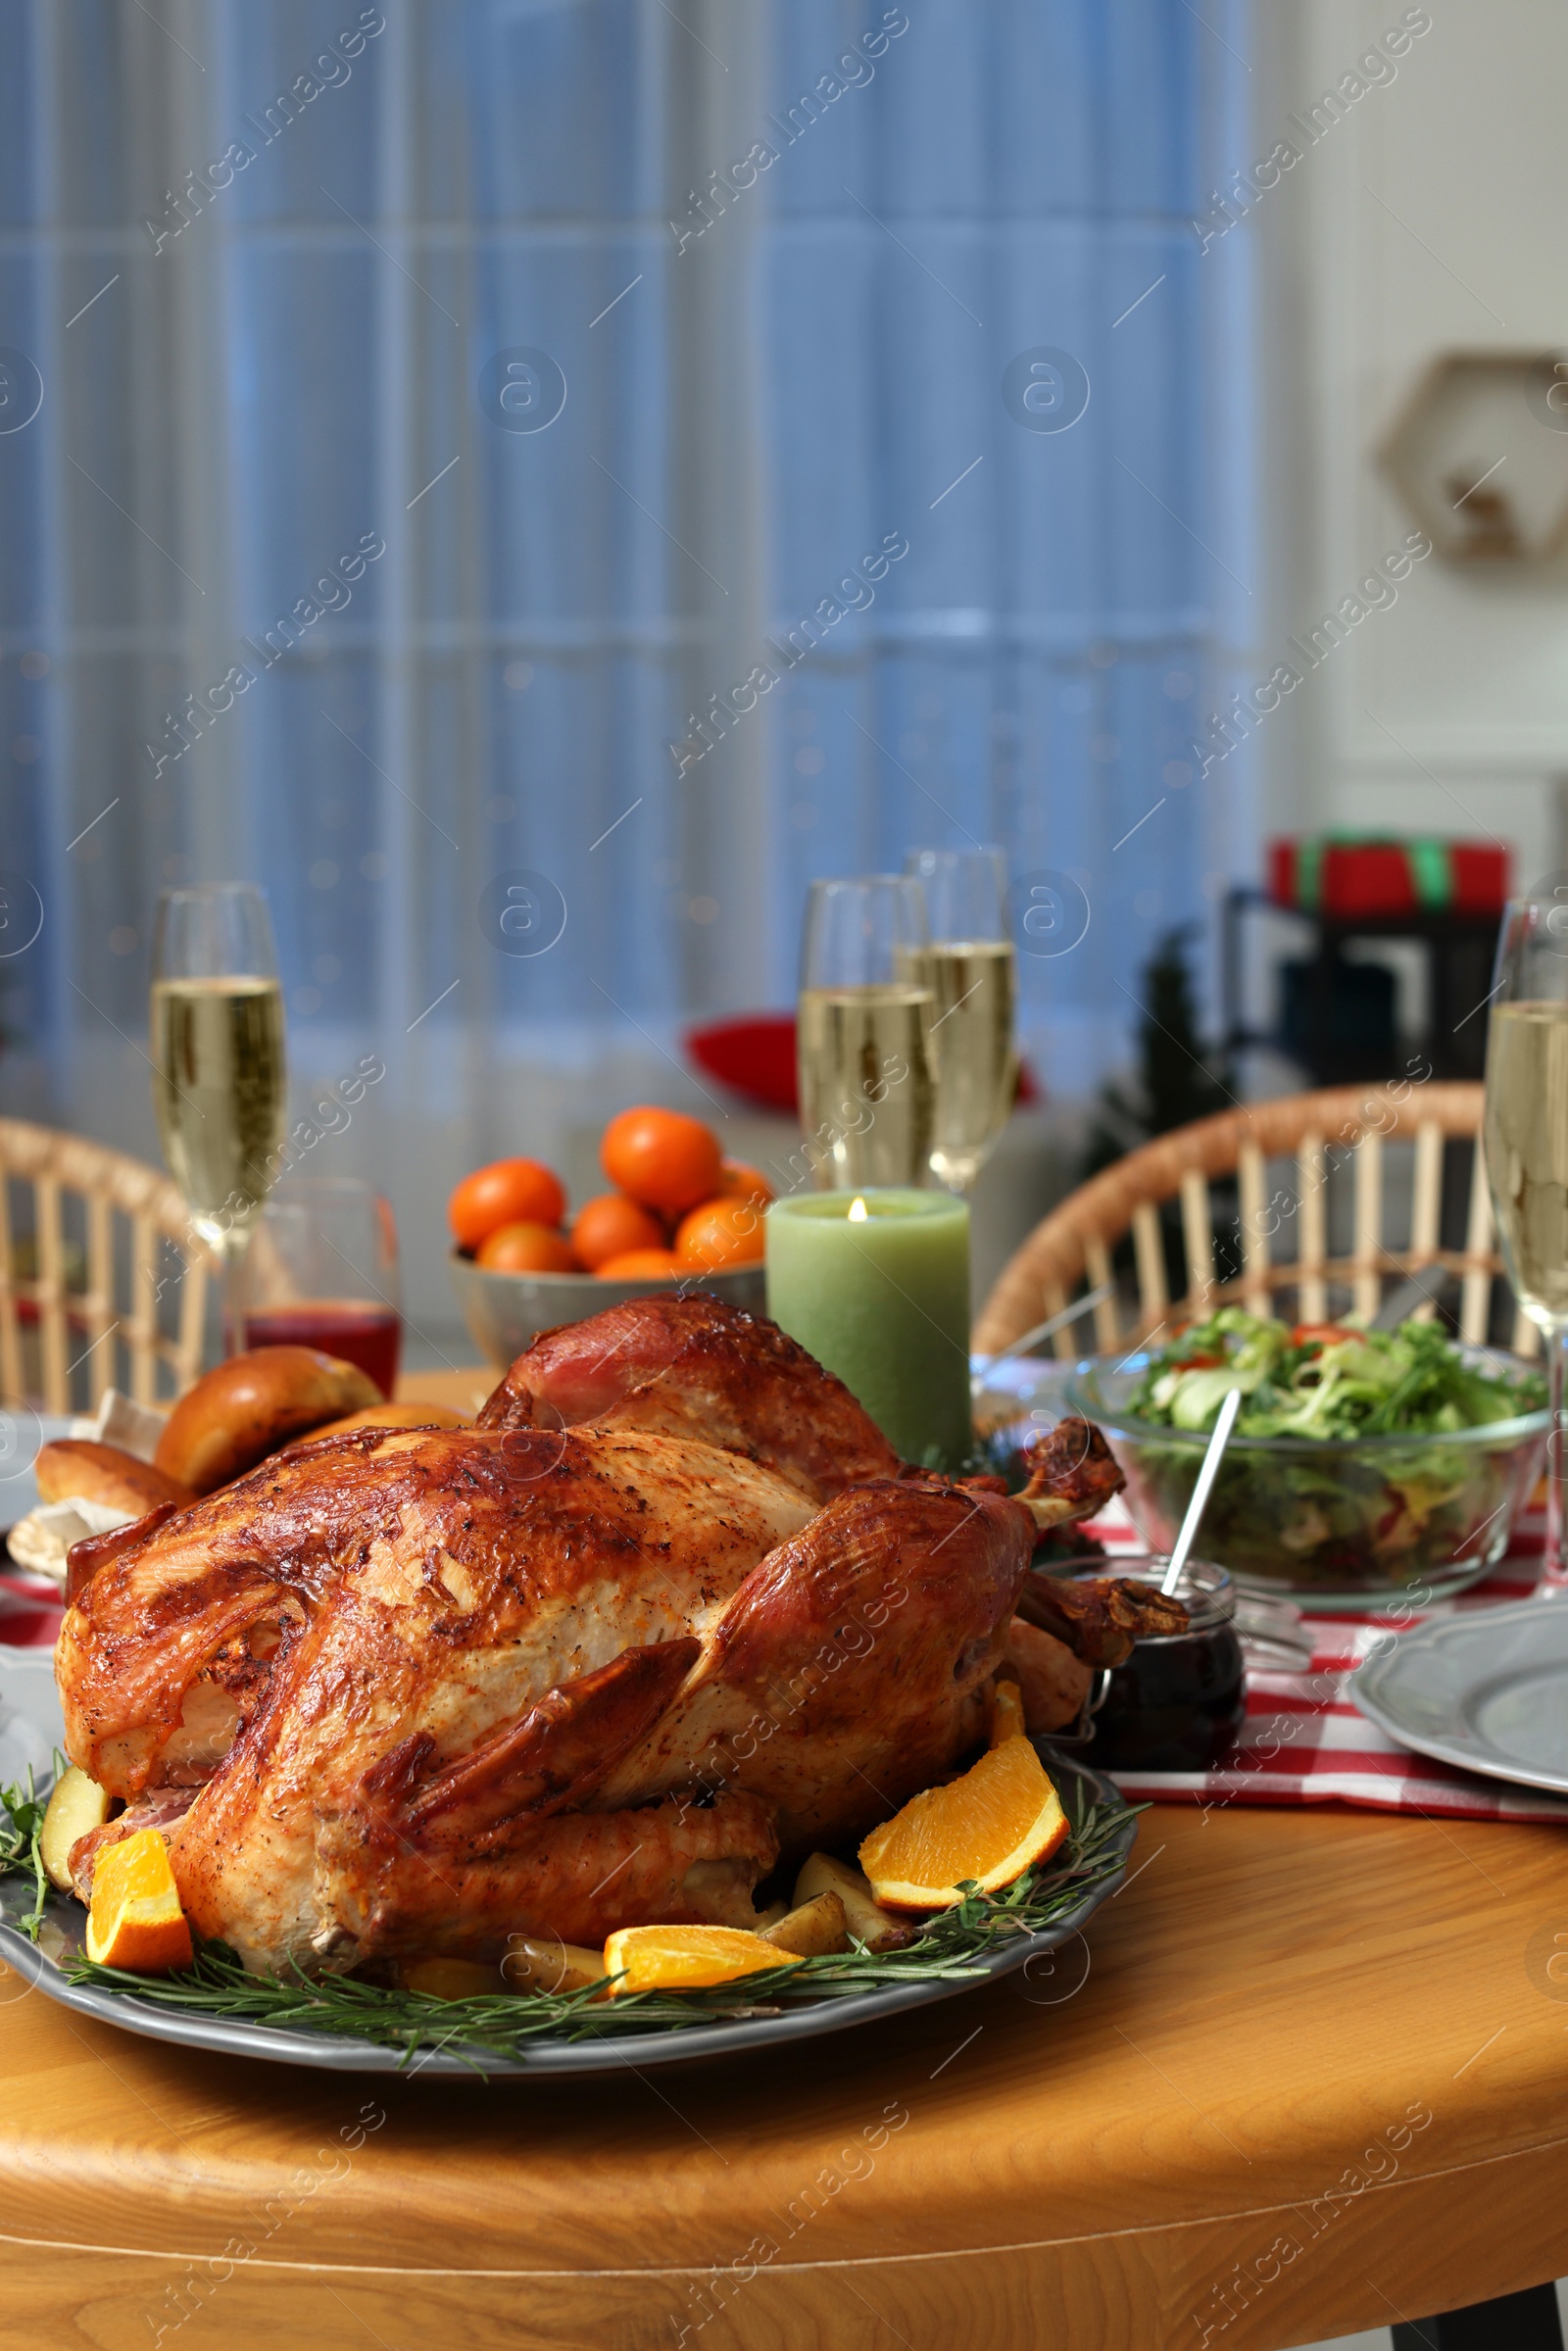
x=506, y=1311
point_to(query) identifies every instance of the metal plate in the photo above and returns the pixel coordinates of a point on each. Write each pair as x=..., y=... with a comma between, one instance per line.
x=30, y=1728
x=1487, y=1691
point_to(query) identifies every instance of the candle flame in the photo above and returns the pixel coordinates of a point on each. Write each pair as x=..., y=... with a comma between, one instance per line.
x=857, y=1211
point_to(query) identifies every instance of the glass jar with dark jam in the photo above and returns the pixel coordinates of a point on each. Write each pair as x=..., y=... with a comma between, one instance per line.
x=1177, y=1703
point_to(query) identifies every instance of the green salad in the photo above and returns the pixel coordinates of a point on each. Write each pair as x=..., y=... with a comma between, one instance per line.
x=1326, y=1380
x=1381, y=1477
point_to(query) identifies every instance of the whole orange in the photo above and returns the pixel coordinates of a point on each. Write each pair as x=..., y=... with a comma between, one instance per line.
x=526, y=1247
x=639, y=1265
x=506, y=1191
x=738, y=1179
x=661, y=1157
x=612, y=1224
x=722, y=1232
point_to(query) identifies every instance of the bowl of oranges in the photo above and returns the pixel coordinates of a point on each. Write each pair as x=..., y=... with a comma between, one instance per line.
x=677, y=1216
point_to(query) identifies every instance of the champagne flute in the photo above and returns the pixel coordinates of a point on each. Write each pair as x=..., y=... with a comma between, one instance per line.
x=1527, y=1150
x=862, y=1035
x=971, y=968
x=220, y=1075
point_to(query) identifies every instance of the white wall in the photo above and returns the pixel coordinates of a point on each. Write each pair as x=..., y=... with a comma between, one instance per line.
x=1431, y=217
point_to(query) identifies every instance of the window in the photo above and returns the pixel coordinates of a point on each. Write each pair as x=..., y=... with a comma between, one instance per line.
x=462, y=399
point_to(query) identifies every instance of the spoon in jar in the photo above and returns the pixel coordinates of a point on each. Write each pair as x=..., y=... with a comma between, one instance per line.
x=1207, y=1473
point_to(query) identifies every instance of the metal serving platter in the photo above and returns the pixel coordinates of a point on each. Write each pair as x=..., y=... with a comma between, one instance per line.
x=1486, y=1690
x=30, y=1728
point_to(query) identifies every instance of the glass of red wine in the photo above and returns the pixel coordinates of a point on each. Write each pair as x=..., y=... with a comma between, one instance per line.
x=322, y=1271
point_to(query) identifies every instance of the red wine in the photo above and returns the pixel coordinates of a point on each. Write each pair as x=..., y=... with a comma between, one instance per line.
x=361, y=1331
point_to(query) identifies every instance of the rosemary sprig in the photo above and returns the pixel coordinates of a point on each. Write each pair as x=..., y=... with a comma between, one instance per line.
x=952, y=1947
x=19, y=1831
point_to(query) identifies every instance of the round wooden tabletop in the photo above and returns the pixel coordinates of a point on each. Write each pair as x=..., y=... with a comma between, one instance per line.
x=1308, y=2074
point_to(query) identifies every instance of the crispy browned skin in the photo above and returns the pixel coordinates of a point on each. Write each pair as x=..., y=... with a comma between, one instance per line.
x=1100, y=1617
x=696, y=1367
x=847, y=1671
x=398, y=1692
x=1073, y=1464
x=85, y=1558
x=371, y=1654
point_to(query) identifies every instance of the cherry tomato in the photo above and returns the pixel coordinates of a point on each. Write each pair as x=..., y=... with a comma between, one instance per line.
x=1318, y=1334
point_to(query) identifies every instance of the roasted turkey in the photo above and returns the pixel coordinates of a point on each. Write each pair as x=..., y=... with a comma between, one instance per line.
x=671, y=1612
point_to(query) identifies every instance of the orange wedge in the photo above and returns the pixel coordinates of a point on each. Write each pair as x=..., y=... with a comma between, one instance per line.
x=685, y=1958
x=135, y=1921
x=1006, y=1713
x=991, y=1824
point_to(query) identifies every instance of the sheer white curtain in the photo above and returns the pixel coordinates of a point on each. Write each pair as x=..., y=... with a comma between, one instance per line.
x=303, y=286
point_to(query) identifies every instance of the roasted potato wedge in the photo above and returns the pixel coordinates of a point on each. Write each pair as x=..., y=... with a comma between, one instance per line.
x=450, y=1979
x=75, y=1805
x=816, y=1927
x=865, y=1919
x=543, y=1963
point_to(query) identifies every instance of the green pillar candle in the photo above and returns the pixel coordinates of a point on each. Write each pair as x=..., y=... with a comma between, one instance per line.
x=876, y=1286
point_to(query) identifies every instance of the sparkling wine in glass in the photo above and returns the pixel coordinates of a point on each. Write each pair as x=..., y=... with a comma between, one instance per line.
x=220, y=1068
x=862, y=1033
x=1526, y=1140
x=970, y=969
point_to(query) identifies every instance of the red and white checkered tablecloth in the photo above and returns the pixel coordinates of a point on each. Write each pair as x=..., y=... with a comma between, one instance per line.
x=30, y=1609
x=1305, y=1741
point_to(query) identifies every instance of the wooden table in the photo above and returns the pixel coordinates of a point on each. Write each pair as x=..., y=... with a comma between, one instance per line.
x=464, y=1389
x=1316, y=2080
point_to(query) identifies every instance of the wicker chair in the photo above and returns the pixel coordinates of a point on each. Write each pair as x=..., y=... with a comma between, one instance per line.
x=91, y=1243
x=1343, y=1127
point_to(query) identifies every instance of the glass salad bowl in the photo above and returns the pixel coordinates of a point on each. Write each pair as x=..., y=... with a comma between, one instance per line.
x=1330, y=1522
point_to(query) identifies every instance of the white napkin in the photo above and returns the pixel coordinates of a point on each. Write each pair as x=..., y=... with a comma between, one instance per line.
x=119, y=1420
x=40, y=1540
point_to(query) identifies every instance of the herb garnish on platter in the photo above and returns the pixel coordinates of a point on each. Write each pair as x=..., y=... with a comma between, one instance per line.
x=502, y=2024
x=21, y=1827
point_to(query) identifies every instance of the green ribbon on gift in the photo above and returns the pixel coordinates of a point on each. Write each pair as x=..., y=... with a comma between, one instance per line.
x=1431, y=871
x=1429, y=861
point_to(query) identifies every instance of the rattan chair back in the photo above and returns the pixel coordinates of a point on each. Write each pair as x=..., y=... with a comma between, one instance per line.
x=102, y=1281
x=1326, y=1139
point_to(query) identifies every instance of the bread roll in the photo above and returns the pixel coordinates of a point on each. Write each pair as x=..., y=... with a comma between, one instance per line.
x=250, y=1405
x=78, y=1469
x=396, y=1416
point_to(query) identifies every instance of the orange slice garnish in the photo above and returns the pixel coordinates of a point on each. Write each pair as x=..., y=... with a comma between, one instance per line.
x=1006, y=1713
x=991, y=1824
x=685, y=1958
x=135, y=1921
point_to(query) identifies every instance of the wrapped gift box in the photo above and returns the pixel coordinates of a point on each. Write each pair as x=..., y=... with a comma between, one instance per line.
x=1362, y=877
